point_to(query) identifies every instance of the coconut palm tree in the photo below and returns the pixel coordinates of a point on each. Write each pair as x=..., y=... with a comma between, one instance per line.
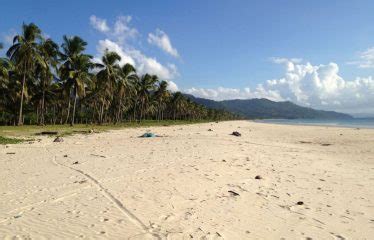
x=24, y=53
x=75, y=69
x=145, y=86
x=126, y=86
x=161, y=95
x=107, y=78
x=49, y=51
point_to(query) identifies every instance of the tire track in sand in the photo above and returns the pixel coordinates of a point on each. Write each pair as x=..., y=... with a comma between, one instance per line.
x=134, y=219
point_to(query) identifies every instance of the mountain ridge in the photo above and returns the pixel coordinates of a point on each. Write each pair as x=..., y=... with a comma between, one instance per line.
x=262, y=108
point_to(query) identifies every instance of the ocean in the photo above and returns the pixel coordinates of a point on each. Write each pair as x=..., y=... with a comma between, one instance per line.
x=351, y=123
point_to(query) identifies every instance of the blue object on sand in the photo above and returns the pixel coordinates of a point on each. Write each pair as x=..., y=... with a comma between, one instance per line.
x=148, y=135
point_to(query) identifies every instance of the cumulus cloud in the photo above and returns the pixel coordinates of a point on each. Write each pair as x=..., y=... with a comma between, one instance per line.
x=141, y=62
x=160, y=39
x=123, y=29
x=366, y=59
x=116, y=39
x=222, y=93
x=120, y=31
x=99, y=24
x=318, y=86
x=172, y=86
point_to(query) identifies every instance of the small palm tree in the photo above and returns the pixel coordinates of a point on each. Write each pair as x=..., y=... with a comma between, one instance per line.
x=24, y=53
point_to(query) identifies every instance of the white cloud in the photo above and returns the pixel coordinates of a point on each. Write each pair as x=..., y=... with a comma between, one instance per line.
x=172, y=86
x=366, y=59
x=162, y=40
x=114, y=47
x=120, y=31
x=318, y=86
x=222, y=93
x=99, y=24
x=123, y=30
x=116, y=40
x=141, y=62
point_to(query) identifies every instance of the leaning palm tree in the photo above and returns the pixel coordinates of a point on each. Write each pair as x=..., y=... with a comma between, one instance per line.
x=24, y=53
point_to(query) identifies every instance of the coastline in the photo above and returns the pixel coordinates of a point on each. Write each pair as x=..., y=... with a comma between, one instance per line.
x=339, y=123
x=192, y=182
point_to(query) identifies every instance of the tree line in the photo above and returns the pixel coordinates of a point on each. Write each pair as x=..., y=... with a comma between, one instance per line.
x=44, y=83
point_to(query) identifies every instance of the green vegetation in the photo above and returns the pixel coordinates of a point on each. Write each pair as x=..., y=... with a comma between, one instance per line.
x=7, y=140
x=44, y=83
x=63, y=130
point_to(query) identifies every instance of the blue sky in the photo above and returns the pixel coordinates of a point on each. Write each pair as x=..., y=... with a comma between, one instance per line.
x=228, y=49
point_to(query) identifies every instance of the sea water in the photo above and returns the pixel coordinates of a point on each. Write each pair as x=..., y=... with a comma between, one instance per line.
x=352, y=122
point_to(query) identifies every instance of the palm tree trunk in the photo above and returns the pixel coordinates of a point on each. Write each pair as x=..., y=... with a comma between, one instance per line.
x=43, y=106
x=75, y=103
x=68, y=113
x=20, y=119
x=119, y=109
x=101, y=113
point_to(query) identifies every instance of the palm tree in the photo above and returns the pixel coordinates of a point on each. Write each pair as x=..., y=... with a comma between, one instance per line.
x=126, y=85
x=161, y=95
x=107, y=78
x=49, y=52
x=145, y=85
x=75, y=69
x=25, y=54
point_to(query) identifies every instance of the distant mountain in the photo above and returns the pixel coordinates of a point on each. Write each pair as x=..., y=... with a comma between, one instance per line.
x=264, y=108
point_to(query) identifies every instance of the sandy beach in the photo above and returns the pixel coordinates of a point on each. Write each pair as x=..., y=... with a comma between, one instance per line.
x=273, y=182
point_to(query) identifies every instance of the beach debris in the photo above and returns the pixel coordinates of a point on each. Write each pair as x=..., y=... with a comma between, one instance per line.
x=96, y=155
x=10, y=153
x=210, y=130
x=58, y=139
x=148, y=135
x=76, y=162
x=234, y=194
x=305, y=142
x=258, y=177
x=48, y=133
x=65, y=155
x=300, y=203
x=325, y=144
x=235, y=133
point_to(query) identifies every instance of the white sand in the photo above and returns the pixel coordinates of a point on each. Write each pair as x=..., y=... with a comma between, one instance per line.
x=176, y=187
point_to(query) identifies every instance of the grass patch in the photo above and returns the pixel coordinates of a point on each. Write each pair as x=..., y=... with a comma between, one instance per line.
x=7, y=140
x=66, y=130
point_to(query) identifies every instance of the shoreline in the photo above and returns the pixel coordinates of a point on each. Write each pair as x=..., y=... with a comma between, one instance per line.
x=269, y=121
